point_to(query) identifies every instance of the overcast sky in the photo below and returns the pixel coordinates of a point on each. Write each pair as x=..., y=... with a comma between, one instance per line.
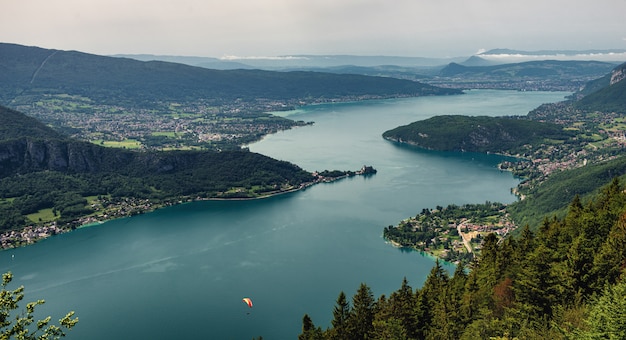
x=212, y=28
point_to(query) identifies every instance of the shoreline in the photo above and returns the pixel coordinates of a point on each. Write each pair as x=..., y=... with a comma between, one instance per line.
x=424, y=253
x=32, y=234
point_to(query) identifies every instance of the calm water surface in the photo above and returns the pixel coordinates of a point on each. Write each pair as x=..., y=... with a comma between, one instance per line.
x=181, y=272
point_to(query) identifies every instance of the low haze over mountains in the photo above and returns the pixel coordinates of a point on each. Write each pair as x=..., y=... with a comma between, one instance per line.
x=491, y=57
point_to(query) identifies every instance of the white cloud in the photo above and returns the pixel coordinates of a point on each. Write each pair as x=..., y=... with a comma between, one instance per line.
x=289, y=27
x=608, y=57
x=233, y=57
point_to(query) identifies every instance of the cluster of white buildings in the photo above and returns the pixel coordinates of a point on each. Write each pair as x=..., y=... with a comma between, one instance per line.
x=28, y=235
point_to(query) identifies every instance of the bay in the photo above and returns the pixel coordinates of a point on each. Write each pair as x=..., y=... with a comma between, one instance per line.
x=181, y=272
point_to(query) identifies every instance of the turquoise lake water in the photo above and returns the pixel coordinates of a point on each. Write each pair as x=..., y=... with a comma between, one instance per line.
x=181, y=272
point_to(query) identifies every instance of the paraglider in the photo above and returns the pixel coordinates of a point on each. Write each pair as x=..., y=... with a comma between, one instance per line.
x=247, y=301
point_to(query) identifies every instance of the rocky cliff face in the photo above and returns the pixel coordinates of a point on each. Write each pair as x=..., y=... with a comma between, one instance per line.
x=618, y=74
x=26, y=155
x=31, y=155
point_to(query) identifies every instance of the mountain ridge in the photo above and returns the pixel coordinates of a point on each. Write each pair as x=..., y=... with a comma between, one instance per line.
x=46, y=170
x=475, y=134
x=31, y=70
x=606, y=94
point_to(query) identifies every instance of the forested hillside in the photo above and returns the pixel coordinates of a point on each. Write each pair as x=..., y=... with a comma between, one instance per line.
x=542, y=68
x=162, y=106
x=608, y=98
x=14, y=124
x=40, y=171
x=28, y=71
x=564, y=281
x=552, y=196
x=476, y=134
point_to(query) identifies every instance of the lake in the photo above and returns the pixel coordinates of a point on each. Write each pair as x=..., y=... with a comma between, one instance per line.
x=181, y=272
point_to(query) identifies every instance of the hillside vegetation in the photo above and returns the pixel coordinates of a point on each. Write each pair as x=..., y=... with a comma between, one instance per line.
x=551, y=197
x=543, y=68
x=162, y=106
x=477, y=134
x=564, y=281
x=565, y=149
x=14, y=125
x=540, y=75
x=561, y=277
x=41, y=171
x=608, y=98
x=32, y=71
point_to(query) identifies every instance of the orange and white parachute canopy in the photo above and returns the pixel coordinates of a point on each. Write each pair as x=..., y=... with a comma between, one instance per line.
x=247, y=301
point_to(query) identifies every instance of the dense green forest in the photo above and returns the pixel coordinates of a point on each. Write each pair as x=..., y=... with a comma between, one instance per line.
x=227, y=174
x=564, y=281
x=17, y=125
x=39, y=170
x=477, y=134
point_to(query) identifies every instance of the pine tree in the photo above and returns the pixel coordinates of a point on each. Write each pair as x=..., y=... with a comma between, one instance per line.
x=488, y=264
x=607, y=318
x=611, y=258
x=341, y=314
x=470, y=304
x=572, y=219
x=403, y=308
x=428, y=297
x=535, y=287
x=447, y=321
x=386, y=325
x=309, y=331
x=362, y=314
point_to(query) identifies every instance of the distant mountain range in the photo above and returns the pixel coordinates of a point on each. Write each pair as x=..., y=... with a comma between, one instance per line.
x=497, y=68
x=539, y=69
x=297, y=61
x=26, y=71
x=288, y=62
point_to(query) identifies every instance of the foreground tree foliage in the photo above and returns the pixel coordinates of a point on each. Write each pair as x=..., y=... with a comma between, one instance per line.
x=17, y=326
x=564, y=281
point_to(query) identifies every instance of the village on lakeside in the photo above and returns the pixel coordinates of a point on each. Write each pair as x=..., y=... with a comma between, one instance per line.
x=107, y=208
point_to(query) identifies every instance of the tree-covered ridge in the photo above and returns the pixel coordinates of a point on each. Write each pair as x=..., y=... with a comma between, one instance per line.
x=14, y=124
x=531, y=69
x=63, y=195
x=45, y=178
x=162, y=105
x=477, y=134
x=564, y=281
x=32, y=71
x=552, y=195
x=610, y=98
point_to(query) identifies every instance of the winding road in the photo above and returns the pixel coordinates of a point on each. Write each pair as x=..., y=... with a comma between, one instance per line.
x=465, y=238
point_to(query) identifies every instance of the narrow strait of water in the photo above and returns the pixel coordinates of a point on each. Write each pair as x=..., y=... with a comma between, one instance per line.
x=181, y=272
